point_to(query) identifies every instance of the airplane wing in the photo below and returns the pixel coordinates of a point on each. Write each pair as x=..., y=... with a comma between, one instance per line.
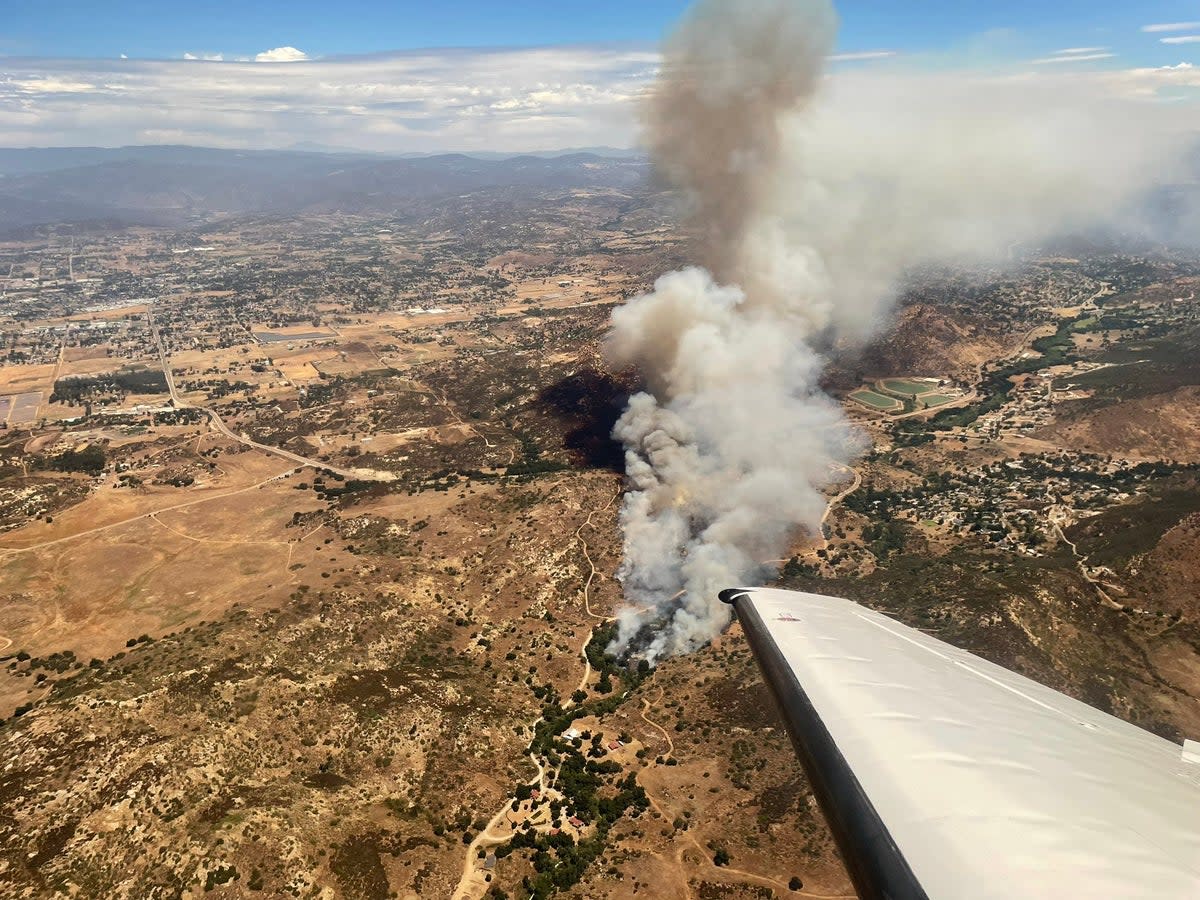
x=945, y=776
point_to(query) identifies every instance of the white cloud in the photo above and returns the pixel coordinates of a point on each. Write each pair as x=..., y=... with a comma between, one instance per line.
x=416, y=101
x=1182, y=39
x=1074, y=51
x=1078, y=57
x=53, y=85
x=282, y=54
x=1148, y=82
x=867, y=54
x=1170, y=26
x=206, y=57
x=510, y=99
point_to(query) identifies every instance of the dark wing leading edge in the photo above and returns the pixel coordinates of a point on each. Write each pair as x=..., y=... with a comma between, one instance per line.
x=945, y=776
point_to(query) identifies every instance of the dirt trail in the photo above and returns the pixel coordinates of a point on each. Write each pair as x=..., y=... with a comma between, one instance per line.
x=1081, y=564
x=843, y=494
x=646, y=707
x=149, y=515
x=726, y=873
x=855, y=483
x=472, y=884
x=445, y=401
x=593, y=573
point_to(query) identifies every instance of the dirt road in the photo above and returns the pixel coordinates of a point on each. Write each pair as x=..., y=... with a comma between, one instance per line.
x=472, y=884
x=149, y=515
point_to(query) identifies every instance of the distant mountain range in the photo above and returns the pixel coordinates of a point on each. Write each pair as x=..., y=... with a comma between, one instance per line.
x=179, y=184
x=27, y=160
x=619, y=153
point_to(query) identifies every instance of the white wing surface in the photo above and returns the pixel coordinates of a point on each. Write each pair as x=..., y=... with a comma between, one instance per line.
x=945, y=776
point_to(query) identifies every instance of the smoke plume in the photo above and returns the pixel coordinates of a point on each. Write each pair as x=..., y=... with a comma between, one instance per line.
x=809, y=198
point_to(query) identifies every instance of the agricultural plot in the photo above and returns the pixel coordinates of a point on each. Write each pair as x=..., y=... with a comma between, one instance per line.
x=929, y=401
x=275, y=337
x=25, y=408
x=907, y=387
x=23, y=379
x=876, y=401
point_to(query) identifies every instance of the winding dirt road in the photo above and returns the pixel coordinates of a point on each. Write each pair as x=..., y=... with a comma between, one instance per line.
x=593, y=573
x=724, y=873
x=646, y=707
x=1081, y=564
x=472, y=884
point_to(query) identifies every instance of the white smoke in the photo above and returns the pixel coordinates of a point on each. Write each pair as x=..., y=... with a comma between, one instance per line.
x=810, y=197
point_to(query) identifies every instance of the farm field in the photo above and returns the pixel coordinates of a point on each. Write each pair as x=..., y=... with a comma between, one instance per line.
x=148, y=554
x=875, y=401
x=908, y=387
x=275, y=337
x=25, y=408
x=932, y=400
x=26, y=378
x=936, y=400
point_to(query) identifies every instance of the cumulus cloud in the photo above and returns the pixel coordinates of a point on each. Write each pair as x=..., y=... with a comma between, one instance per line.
x=282, y=54
x=415, y=101
x=1155, y=83
x=419, y=101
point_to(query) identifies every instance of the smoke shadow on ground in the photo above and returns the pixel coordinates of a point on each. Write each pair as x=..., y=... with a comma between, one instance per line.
x=588, y=403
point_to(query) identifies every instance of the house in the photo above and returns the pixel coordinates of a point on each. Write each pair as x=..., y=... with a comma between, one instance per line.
x=575, y=822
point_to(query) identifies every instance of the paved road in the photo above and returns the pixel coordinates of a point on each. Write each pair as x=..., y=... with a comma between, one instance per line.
x=219, y=424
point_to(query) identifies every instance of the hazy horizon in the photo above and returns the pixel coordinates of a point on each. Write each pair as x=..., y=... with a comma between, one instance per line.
x=518, y=80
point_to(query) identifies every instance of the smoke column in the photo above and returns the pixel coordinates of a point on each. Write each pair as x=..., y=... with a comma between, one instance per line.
x=809, y=198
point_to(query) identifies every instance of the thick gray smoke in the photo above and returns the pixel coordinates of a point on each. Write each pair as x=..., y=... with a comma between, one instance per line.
x=810, y=197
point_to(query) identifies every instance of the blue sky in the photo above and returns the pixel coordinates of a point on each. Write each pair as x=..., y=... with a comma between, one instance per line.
x=156, y=29
x=402, y=76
